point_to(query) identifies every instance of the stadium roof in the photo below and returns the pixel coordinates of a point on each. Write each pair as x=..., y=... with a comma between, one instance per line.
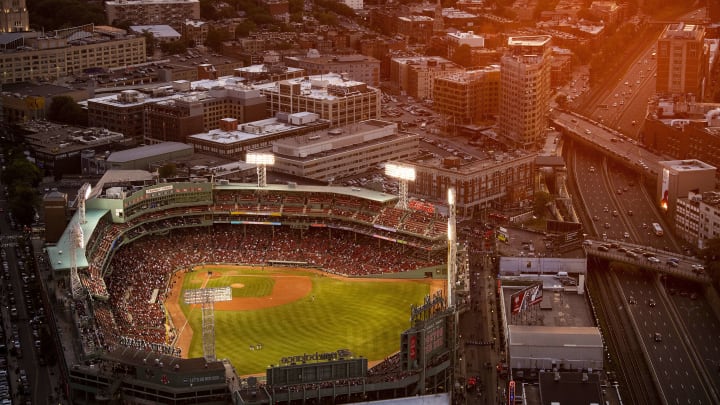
x=119, y=176
x=60, y=254
x=146, y=151
x=367, y=194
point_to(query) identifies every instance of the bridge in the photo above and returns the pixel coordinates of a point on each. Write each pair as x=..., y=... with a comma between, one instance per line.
x=617, y=251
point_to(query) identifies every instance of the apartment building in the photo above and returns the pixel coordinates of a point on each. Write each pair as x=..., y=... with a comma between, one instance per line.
x=356, y=67
x=47, y=58
x=171, y=113
x=333, y=97
x=682, y=60
x=503, y=181
x=152, y=12
x=416, y=75
x=468, y=97
x=692, y=134
x=697, y=217
x=232, y=140
x=525, y=90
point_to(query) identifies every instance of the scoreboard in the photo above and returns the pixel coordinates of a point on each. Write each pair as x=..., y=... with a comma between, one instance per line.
x=425, y=340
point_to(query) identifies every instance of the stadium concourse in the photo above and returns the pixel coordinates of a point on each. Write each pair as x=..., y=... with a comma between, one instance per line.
x=137, y=234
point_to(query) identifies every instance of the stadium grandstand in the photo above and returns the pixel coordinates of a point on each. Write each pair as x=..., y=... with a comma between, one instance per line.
x=131, y=223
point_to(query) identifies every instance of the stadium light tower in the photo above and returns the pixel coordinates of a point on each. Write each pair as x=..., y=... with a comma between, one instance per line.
x=452, y=247
x=207, y=297
x=77, y=241
x=403, y=174
x=83, y=195
x=261, y=161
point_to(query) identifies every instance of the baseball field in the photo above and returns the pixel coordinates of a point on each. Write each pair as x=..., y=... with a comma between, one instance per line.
x=279, y=312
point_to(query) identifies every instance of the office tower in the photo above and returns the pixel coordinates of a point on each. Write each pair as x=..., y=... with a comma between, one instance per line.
x=681, y=60
x=525, y=90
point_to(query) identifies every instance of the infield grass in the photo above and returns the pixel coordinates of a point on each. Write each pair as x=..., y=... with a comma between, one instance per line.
x=366, y=317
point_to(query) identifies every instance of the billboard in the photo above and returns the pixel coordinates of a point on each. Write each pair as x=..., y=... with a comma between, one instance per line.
x=665, y=190
x=525, y=298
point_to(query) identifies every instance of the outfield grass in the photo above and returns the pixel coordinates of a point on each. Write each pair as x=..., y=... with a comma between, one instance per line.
x=366, y=317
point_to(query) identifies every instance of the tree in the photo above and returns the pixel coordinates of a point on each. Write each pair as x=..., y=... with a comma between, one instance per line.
x=541, y=201
x=22, y=203
x=561, y=100
x=245, y=28
x=57, y=14
x=215, y=38
x=711, y=254
x=150, y=42
x=20, y=171
x=64, y=109
x=167, y=171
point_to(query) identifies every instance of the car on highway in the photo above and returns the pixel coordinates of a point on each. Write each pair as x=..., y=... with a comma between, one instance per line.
x=626, y=235
x=631, y=254
x=630, y=213
x=653, y=259
x=607, y=225
x=658, y=337
x=603, y=248
x=652, y=303
x=632, y=300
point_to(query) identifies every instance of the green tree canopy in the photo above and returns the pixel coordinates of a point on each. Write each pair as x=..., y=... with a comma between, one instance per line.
x=22, y=203
x=66, y=110
x=20, y=171
x=541, y=201
x=215, y=39
x=57, y=14
x=167, y=171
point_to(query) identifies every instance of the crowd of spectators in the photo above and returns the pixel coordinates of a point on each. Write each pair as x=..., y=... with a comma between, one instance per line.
x=142, y=270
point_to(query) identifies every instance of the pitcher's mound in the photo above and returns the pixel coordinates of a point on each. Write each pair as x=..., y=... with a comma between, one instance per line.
x=237, y=285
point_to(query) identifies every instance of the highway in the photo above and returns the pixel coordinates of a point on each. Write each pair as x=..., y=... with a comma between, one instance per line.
x=665, y=342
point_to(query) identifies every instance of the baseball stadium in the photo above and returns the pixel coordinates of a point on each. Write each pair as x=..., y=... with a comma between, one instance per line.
x=210, y=292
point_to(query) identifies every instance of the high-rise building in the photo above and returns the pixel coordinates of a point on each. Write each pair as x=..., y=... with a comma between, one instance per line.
x=525, y=89
x=682, y=58
x=14, y=16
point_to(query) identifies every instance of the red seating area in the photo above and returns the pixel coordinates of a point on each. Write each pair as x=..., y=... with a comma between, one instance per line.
x=390, y=217
x=438, y=227
x=417, y=222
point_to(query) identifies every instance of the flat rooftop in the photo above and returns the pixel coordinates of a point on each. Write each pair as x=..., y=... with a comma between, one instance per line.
x=561, y=306
x=534, y=40
x=686, y=165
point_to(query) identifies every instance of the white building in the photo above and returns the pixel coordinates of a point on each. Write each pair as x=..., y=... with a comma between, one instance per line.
x=467, y=38
x=345, y=151
x=697, y=217
x=162, y=33
x=525, y=89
